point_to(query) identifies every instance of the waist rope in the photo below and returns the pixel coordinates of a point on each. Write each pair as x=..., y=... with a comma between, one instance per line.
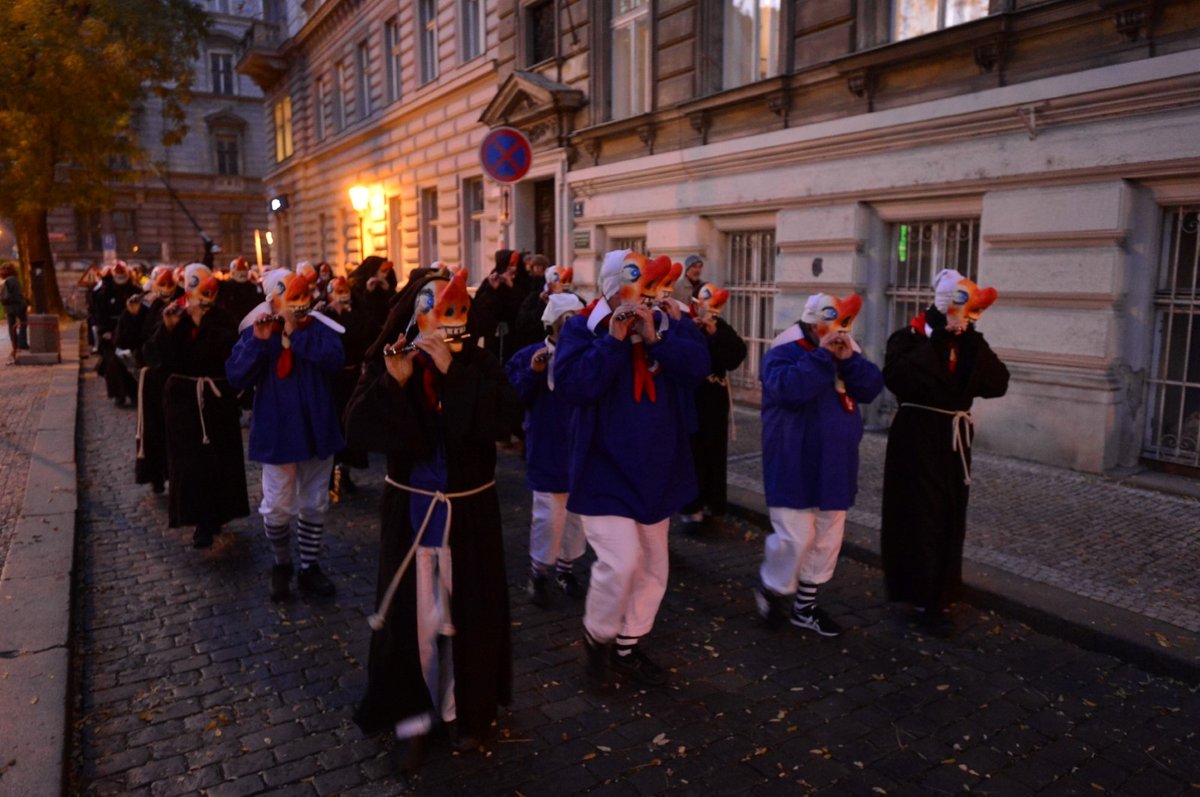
x=201, y=381
x=962, y=431
x=141, y=413
x=376, y=620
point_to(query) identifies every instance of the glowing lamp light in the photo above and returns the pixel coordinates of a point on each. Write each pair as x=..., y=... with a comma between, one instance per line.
x=360, y=197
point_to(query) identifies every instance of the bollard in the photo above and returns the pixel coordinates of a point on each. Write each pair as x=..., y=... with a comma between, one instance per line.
x=43, y=336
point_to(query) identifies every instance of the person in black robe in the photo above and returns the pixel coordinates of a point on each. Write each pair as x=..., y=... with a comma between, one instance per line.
x=435, y=413
x=238, y=295
x=710, y=441
x=358, y=336
x=139, y=322
x=496, y=303
x=205, y=464
x=111, y=296
x=373, y=284
x=529, y=326
x=936, y=367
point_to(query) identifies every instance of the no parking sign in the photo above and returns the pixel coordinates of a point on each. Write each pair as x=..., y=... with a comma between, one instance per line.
x=506, y=154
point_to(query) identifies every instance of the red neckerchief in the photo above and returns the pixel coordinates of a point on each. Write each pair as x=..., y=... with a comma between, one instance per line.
x=839, y=385
x=429, y=385
x=643, y=374
x=918, y=323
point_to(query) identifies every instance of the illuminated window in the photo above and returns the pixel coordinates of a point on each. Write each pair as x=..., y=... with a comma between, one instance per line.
x=283, y=129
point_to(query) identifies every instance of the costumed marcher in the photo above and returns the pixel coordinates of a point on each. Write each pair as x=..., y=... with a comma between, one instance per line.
x=814, y=377
x=433, y=402
x=238, y=294
x=936, y=367
x=112, y=292
x=14, y=303
x=555, y=535
x=358, y=336
x=630, y=464
x=529, y=327
x=497, y=300
x=714, y=403
x=290, y=354
x=138, y=324
x=205, y=468
x=325, y=276
x=373, y=284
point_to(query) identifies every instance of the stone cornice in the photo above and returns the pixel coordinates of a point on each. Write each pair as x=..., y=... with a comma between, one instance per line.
x=1074, y=239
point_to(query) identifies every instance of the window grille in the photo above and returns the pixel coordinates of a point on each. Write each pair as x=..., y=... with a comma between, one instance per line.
x=633, y=243
x=751, y=306
x=1173, y=390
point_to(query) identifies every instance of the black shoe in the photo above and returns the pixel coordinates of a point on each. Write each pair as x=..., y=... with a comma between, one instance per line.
x=202, y=537
x=815, y=619
x=935, y=623
x=596, y=659
x=771, y=607
x=281, y=576
x=158, y=488
x=637, y=665
x=313, y=582
x=536, y=590
x=571, y=586
x=348, y=485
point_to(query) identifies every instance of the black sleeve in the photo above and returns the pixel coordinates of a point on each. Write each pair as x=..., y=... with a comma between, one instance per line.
x=479, y=404
x=385, y=417
x=726, y=348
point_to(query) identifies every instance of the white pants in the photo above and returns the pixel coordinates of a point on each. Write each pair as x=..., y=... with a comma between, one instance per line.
x=629, y=577
x=803, y=547
x=435, y=640
x=297, y=489
x=554, y=533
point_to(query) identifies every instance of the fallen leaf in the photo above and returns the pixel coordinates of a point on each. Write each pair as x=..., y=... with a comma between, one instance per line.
x=661, y=739
x=589, y=756
x=1162, y=641
x=603, y=749
x=943, y=687
x=33, y=700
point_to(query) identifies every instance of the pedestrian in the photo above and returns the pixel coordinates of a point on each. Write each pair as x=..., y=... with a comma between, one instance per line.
x=693, y=278
x=630, y=460
x=290, y=355
x=14, y=303
x=497, y=300
x=205, y=468
x=814, y=378
x=936, y=367
x=714, y=403
x=433, y=402
x=556, y=539
x=112, y=293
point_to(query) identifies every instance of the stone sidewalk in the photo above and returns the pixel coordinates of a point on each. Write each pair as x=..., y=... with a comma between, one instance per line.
x=190, y=681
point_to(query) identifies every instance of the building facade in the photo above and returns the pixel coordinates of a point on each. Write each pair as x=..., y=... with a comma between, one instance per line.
x=1044, y=148
x=210, y=183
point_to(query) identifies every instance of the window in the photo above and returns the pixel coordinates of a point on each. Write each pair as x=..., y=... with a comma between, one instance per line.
x=339, y=105
x=541, y=31
x=472, y=192
x=751, y=306
x=362, y=68
x=916, y=17
x=473, y=28
x=124, y=223
x=220, y=6
x=750, y=50
x=630, y=58
x=427, y=39
x=231, y=233
x=319, y=93
x=228, y=156
x=283, y=129
x=87, y=231
x=391, y=53
x=221, y=72
x=429, y=231
x=1173, y=390
x=636, y=244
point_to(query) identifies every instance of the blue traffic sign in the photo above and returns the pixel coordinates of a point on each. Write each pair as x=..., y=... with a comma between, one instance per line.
x=506, y=154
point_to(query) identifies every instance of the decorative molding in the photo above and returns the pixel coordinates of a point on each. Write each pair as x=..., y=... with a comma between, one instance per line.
x=836, y=288
x=700, y=121
x=592, y=147
x=850, y=245
x=1073, y=362
x=1061, y=301
x=990, y=54
x=1070, y=239
x=646, y=134
x=780, y=103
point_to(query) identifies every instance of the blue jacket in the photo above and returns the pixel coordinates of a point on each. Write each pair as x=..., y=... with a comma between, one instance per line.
x=809, y=441
x=627, y=458
x=294, y=418
x=547, y=423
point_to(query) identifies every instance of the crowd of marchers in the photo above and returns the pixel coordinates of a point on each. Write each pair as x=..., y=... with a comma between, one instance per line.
x=620, y=402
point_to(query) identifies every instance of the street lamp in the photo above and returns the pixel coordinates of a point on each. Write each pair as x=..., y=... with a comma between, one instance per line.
x=360, y=199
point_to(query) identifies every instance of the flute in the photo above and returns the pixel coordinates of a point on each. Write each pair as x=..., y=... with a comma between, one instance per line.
x=392, y=351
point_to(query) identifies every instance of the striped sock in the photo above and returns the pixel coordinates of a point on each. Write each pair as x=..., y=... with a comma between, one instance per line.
x=308, y=536
x=625, y=644
x=564, y=566
x=280, y=538
x=806, y=598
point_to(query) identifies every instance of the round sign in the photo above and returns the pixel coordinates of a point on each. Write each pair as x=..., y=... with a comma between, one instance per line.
x=505, y=154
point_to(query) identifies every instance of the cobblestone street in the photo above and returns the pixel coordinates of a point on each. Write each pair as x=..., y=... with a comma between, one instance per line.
x=190, y=681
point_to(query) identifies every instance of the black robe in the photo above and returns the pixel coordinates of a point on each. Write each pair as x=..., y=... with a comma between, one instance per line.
x=208, y=480
x=359, y=334
x=237, y=299
x=150, y=458
x=476, y=400
x=110, y=300
x=493, y=314
x=710, y=443
x=373, y=301
x=924, y=496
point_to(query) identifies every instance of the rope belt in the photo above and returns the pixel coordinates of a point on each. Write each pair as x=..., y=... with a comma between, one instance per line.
x=376, y=620
x=962, y=431
x=141, y=413
x=201, y=381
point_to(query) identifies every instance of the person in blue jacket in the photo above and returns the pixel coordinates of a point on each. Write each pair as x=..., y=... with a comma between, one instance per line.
x=555, y=534
x=290, y=355
x=813, y=377
x=630, y=465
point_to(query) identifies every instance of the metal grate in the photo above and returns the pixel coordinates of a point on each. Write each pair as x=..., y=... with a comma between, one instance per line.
x=634, y=244
x=751, y=306
x=1173, y=390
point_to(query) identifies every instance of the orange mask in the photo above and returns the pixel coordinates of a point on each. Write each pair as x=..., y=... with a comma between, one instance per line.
x=960, y=299
x=828, y=313
x=558, y=278
x=710, y=300
x=200, y=284
x=163, y=283
x=239, y=270
x=442, y=308
x=339, y=291
x=298, y=295
x=666, y=287
x=639, y=278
